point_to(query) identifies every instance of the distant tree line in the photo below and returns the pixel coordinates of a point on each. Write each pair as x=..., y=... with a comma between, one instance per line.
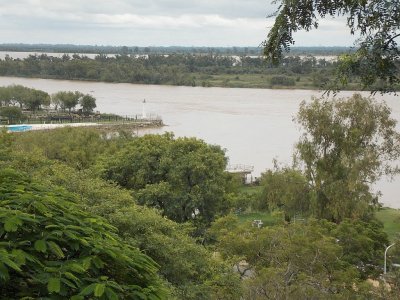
x=174, y=69
x=66, y=48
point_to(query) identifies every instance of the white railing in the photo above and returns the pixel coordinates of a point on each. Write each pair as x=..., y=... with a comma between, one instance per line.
x=239, y=168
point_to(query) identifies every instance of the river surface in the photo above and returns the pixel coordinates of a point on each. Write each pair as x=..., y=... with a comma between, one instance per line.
x=254, y=125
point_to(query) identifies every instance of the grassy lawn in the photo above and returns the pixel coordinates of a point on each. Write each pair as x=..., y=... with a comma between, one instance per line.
x=391, y=220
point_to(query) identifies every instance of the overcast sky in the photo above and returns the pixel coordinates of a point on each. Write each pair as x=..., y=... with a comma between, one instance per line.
x=151, y=23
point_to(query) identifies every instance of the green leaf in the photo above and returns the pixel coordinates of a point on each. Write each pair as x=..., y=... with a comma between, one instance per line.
x=110, y=294
x=71, y=276
x=19, y=255
x=99, y=289
x=56, y=249
x=11, y=264
x=88, y=290
x=54, y=285
x=68, y=283
x=40, y=245
x=12, y=224
x=98, y=262
x=4, y=275
x=86, y=262
x=77, y=297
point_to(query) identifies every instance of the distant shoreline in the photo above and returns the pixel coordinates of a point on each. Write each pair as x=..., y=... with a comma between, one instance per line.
x=266, y=85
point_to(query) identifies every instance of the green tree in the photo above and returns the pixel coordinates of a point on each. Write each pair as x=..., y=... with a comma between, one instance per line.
x=363, y=244
x=182, y=177
x=50, y=248
x=67, y=100
x=377, y=22
x=19, y=94
x=12, y=113
x=5, y=97
x=55, y=100
x=286, y=189
x=88, y=103
x=295, y=261
x=35, y=99
x=347, y=146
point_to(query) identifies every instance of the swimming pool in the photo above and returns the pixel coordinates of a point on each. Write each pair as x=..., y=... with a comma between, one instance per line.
x=18, y=128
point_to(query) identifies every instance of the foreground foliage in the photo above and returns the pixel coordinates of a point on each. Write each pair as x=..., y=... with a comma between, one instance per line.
x=51, y=248
x=377, y=22
x=190, y=269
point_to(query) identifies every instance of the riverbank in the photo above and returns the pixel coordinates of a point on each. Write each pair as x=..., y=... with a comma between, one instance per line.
x=211, y=70
x=249, y=81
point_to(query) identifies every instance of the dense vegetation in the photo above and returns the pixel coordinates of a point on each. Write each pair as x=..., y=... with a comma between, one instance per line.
x=177, y=69
x=50, y=246
x=84, y=214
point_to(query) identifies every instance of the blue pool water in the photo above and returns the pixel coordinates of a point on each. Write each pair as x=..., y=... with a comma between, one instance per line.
x=18, y=128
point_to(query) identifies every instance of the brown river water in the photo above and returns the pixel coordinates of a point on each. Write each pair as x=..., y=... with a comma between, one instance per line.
x=254, y=125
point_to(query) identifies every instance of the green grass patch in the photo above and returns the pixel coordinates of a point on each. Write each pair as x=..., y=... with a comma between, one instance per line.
x=391, y=220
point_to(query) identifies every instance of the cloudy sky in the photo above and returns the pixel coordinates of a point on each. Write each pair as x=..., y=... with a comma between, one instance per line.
x=151, y=23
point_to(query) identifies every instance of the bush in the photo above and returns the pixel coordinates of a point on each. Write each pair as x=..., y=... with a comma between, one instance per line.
x=282, y=80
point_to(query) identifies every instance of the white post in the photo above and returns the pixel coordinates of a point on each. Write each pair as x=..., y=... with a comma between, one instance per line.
x=144, y=109
x=384, y=265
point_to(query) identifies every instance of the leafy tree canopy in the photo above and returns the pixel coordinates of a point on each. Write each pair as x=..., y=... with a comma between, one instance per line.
x=50, y=248
x=286, y=189
x=12, y=113
x=347, y=146
x=28, y=98
x=88, y=103
x=67, y=100
x=376, y=59
x=312, y=260
x=182, y=177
